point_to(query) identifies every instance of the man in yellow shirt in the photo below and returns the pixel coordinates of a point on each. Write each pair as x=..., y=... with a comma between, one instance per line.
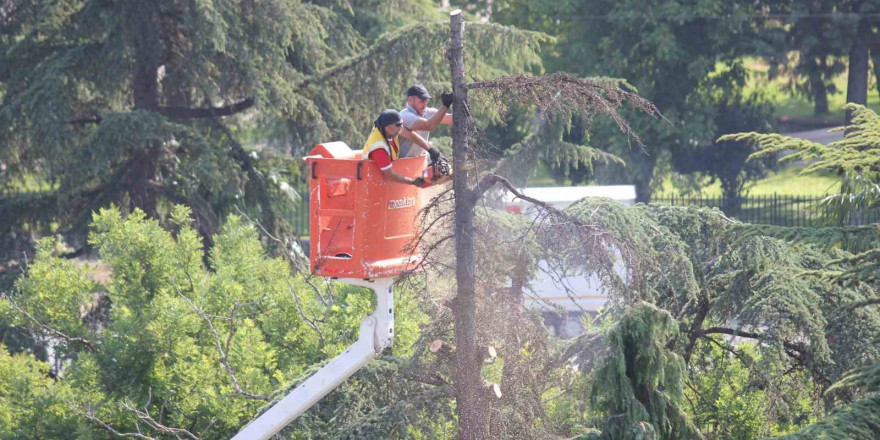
x=383, y=145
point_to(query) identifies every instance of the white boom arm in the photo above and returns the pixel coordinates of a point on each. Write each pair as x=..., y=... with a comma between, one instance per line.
x=376, y=333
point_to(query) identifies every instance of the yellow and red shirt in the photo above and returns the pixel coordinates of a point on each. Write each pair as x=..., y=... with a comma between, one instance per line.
x=380, y=149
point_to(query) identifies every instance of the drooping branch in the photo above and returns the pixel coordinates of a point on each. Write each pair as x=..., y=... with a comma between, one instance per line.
x=488, y=181
x=55, y=332
x=179, y=112
x=860, y=304
x=566, y=93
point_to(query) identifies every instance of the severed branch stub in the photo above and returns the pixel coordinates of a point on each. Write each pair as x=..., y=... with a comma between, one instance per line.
x=441, y=348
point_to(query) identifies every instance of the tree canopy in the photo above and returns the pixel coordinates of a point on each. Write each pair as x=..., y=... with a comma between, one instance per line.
x=192, y=315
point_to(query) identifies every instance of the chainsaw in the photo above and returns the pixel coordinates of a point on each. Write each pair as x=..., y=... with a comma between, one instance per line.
x=437, y=173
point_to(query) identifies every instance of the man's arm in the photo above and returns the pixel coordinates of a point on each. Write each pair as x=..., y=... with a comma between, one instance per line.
x=383, y=161
x=413, y=136
x=397, y=177
x=430, y=124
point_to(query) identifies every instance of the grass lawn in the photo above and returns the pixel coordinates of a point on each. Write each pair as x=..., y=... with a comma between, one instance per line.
x=785, y=181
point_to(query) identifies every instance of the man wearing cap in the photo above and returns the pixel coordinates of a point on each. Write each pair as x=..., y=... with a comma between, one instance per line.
x=422, y=120
x=383, y=145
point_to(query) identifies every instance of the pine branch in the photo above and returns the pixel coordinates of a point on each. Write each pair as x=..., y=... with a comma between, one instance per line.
x=85, y=121
x=563, y=93
x=860, y=304
x=179, y=112
x=859, y=151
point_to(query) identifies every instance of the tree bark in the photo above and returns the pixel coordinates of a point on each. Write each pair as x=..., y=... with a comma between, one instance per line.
x=145, y=91
x=466, y=375
x=857, y=82
x=643, y=180
x=875, y=57
x=147, y=51
x=817, y=84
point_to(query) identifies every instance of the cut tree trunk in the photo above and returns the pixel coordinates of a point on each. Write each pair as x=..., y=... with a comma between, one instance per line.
x=466, y=376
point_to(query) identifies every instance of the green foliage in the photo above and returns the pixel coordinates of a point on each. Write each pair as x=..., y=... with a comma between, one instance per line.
x=856, y=420
x=197, y=342
x=639, y=384
x=32, y=405
x=39, y=293
x=698, y=265
x=686, y=64
x=730, y=397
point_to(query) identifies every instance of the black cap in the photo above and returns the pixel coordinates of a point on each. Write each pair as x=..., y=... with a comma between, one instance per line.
x=387, y=117
x=418, y=90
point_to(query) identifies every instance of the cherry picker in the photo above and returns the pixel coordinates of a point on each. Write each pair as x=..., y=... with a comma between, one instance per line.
x=361, y=229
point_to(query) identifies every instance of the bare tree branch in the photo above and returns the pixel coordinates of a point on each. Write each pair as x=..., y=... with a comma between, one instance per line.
x=57, y=333
x=178, y=112
x=224, y=352
x=750, y=335
x=142, y=416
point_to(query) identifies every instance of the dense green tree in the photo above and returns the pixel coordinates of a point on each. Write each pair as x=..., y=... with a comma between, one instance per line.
x=172, y=341
x=675, y=54
x=32, y=404
x=145, y=105
x=855, y=159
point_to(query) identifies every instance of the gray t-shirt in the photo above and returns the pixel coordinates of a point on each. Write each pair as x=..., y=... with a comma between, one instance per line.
x=407, y=147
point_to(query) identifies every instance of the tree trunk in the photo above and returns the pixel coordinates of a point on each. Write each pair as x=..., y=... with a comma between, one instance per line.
x=820, y=92
x=466, y=376
x=875, y=57
x=643, y=181
x=145, y=91
x=857, y=82
x=731, y=188
x=147, y=53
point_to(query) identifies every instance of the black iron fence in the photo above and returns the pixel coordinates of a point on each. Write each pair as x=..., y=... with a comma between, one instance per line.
x=780, y=210
x=300, y=218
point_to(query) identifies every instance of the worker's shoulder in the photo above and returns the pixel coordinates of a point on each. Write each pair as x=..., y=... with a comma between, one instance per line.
x=408, y=115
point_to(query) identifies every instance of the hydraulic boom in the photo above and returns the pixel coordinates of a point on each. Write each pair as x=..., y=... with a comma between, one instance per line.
x=376, y=334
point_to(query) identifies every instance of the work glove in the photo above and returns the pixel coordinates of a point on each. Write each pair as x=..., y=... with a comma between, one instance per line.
x=434, y=155
x=446, y=98
x=419, y=182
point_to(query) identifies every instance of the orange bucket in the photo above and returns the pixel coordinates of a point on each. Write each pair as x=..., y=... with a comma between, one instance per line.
x=362, y=225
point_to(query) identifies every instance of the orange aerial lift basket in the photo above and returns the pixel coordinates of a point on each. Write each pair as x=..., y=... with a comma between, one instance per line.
x=362, y=224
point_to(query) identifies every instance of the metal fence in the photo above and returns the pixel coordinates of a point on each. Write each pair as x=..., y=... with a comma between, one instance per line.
x=300, y=218
x=780, y=210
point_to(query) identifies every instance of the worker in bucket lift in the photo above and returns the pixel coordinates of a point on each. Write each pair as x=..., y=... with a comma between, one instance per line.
x=383, y=145
x=421, y=119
